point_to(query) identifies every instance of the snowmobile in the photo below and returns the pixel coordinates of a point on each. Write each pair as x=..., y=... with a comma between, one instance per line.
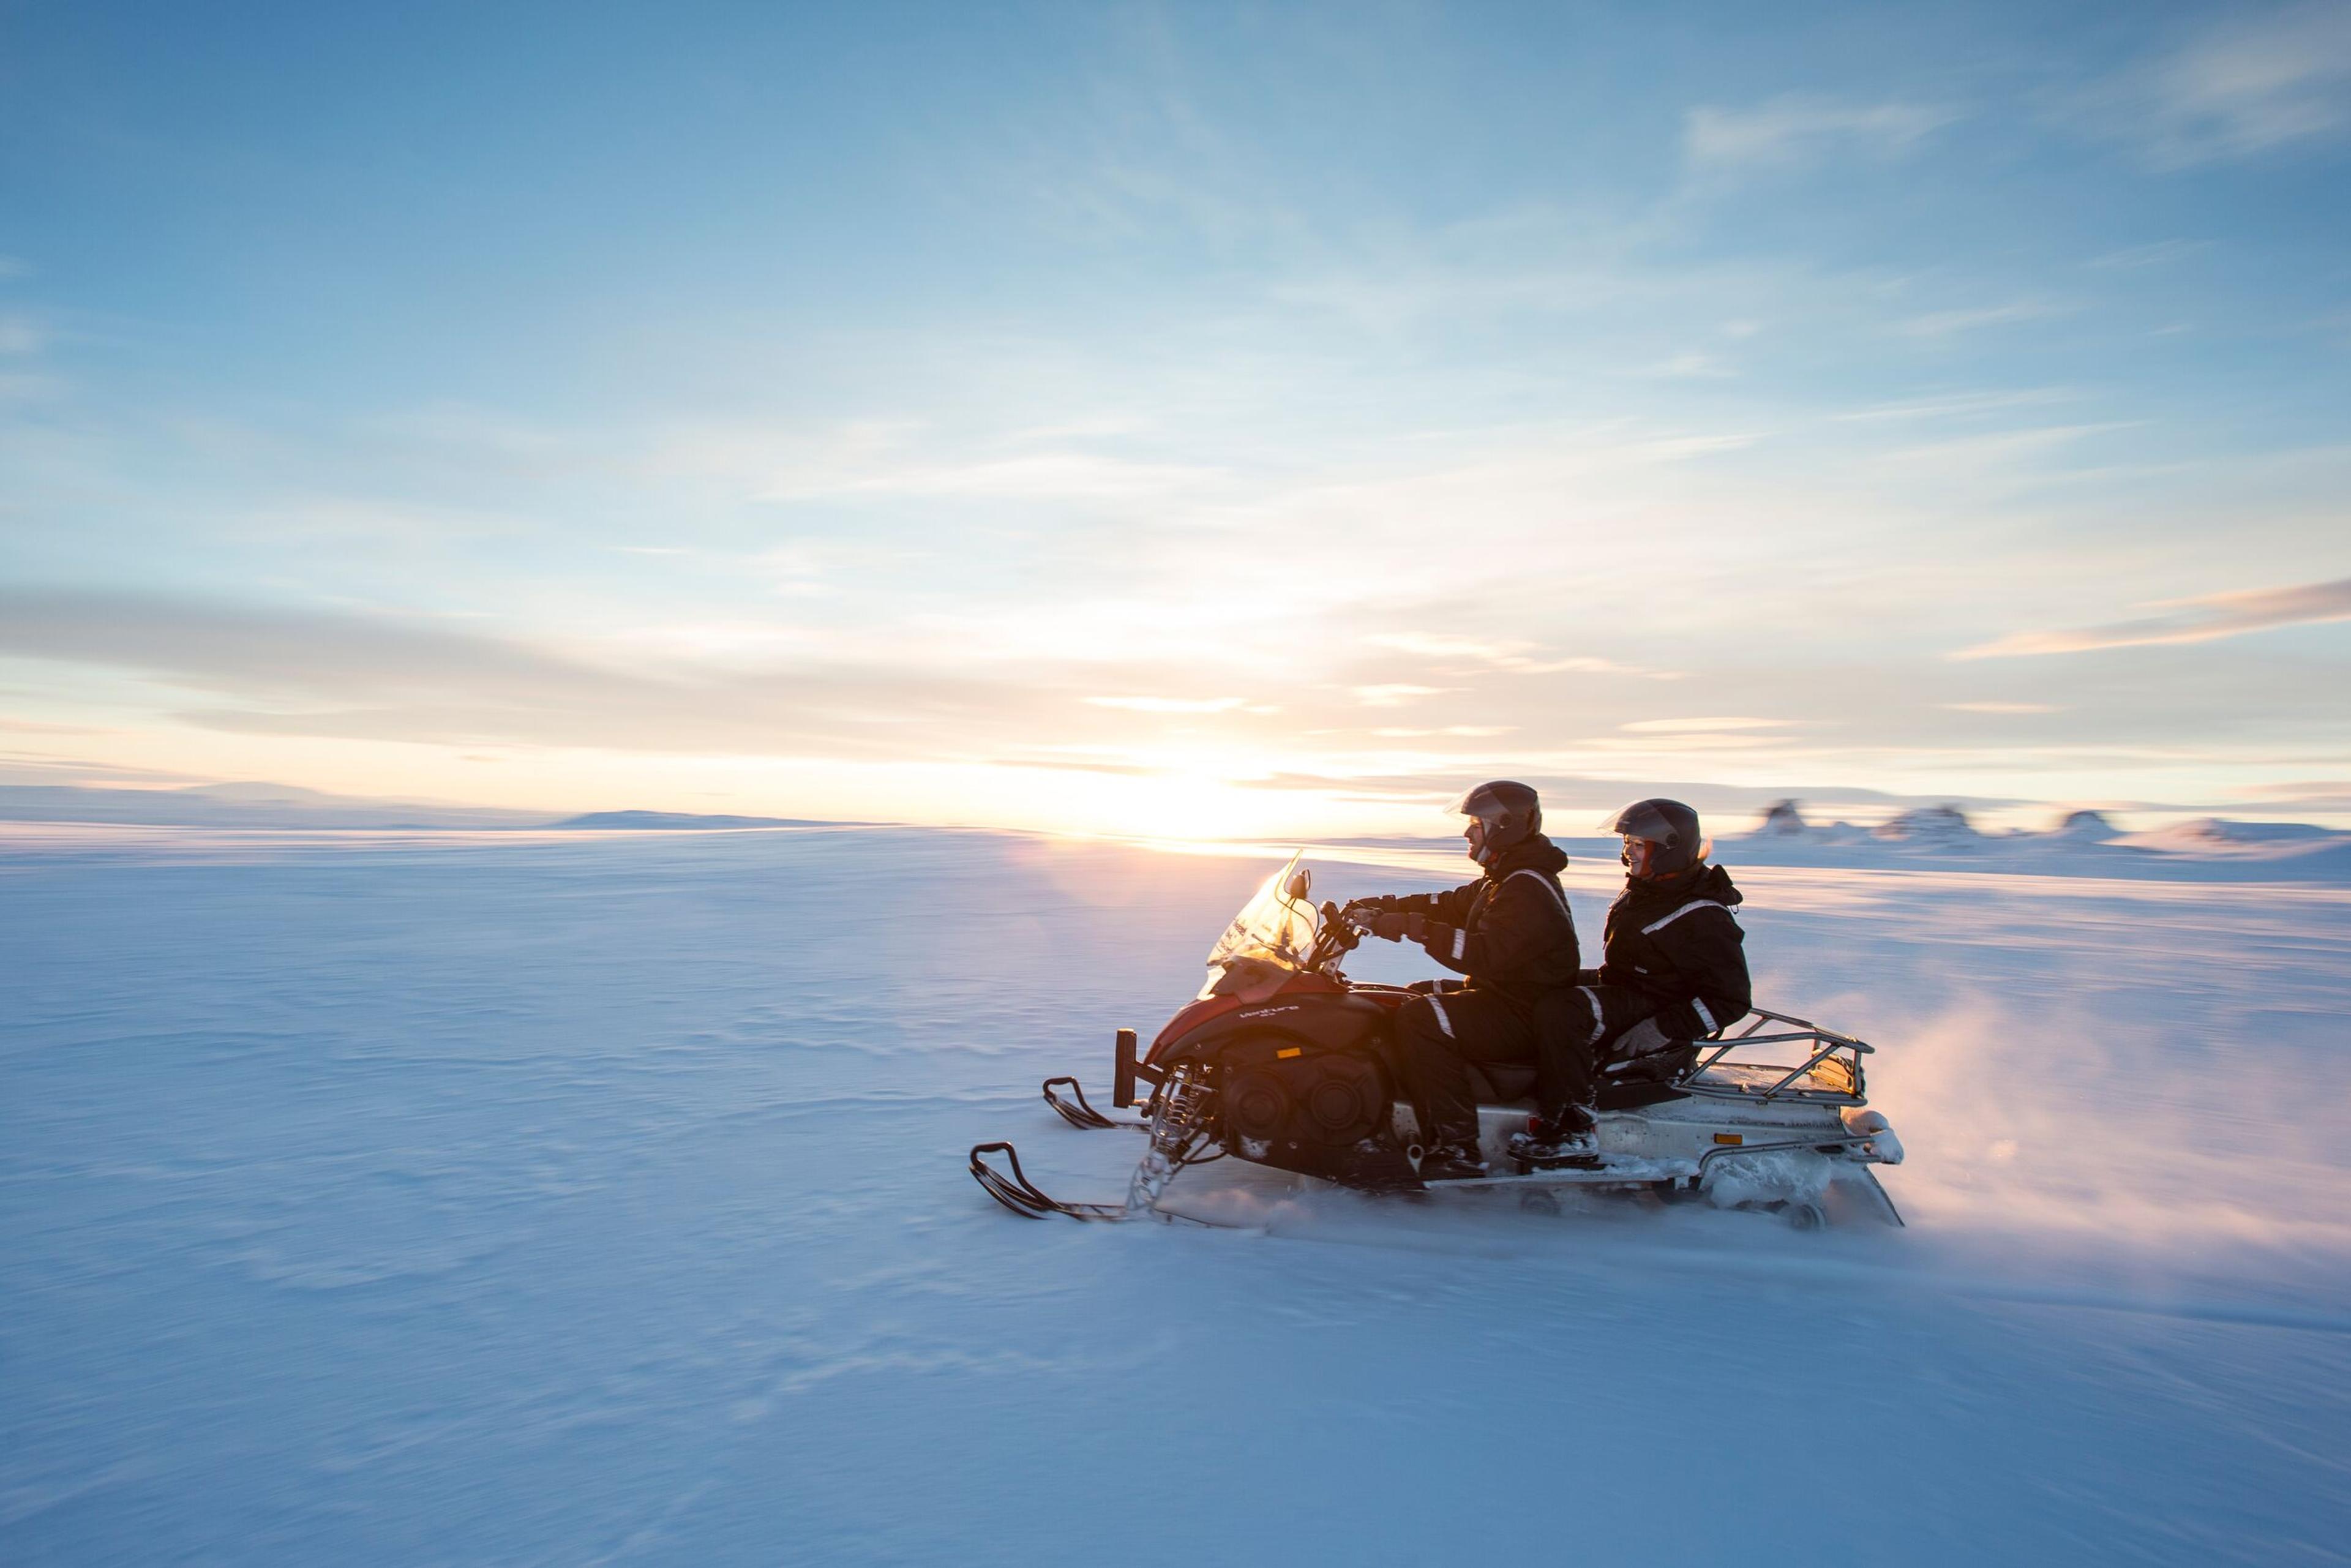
x=1281, y=1061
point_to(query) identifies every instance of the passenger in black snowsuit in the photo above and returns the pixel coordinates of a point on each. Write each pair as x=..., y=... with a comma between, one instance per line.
x=1511, y=933
x=1673, y=970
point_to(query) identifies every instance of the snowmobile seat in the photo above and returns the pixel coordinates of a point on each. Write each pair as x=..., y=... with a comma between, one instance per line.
x=1502, y=1082
x=1658, y=1067
x=1612, y=1095
x=1510, y=1085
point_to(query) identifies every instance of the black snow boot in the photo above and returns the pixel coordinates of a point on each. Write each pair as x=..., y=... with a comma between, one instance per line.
x=1452, y=1161
x=1569, y=1139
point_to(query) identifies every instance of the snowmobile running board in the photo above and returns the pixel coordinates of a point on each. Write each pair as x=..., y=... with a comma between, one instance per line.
x=1626, y=1171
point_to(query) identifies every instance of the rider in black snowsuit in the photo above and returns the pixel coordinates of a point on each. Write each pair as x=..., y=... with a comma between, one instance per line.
x=1673, y=970
x=1511, y=933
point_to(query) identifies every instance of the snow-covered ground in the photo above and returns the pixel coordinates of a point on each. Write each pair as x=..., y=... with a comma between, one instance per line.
x=458, y=1197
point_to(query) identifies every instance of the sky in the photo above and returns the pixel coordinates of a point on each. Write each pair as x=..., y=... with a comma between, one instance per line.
x=1187, y=419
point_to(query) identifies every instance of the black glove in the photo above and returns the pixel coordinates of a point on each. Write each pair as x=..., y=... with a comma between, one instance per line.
x=1393, y=927
x=1644, y=1039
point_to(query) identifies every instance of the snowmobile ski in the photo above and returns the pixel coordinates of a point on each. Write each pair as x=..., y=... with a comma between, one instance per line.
x=1021, y=1196
x=1082, y=1114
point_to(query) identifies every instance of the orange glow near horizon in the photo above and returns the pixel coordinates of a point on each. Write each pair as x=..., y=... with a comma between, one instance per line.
x=1183, y=788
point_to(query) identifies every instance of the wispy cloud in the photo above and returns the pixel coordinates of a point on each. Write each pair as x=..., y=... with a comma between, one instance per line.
x=1515, y=658
x=1169, y=704
x=1691, y=366
x=1464, y=731
x=2205, y=619
x=1702, y=726
x=2004, y=708
x=272, y=670
x=30, y=727
x=1395, y=695
x=2301, y=794
x=24, y=768
x=1043, y=475
x=2006, y=454
x=20, y=334
x=1795, y=129
x=24, y=388
x=2133, y=258
x=1945, y=323
x=2261, y=81
x=1957, y=406
x=1674, y=448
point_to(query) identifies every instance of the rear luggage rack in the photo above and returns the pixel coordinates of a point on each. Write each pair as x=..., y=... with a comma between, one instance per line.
x=1831, y=1073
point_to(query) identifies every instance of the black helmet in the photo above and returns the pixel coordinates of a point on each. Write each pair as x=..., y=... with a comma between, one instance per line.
x=1670, y=825
x=1510, y=812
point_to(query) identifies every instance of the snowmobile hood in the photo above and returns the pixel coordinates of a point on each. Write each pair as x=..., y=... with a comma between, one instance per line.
x=1202, y=1009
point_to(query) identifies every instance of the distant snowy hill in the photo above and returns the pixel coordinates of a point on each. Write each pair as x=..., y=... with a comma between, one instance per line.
x=2212, y=835
x=2086, y=827
x=643, y=820
x=1944, y=826
x=2084, y=843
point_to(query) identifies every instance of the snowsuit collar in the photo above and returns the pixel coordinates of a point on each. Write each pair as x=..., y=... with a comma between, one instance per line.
x=1706, y=881
x=1533, y=852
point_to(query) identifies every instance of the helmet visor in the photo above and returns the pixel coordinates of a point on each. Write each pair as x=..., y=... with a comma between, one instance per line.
x=1668, y=824
x=1479, y=803
x=1642, y=820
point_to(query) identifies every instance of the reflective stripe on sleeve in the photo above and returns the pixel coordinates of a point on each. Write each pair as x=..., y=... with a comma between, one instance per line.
x=1461, y=941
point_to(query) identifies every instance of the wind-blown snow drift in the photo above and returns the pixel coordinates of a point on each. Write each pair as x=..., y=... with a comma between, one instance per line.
x=491, y=1198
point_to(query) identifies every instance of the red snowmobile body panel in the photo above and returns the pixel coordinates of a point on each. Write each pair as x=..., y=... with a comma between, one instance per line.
x=1192, y=1016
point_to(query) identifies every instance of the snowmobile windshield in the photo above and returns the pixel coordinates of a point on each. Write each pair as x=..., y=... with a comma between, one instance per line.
x=1267, y=940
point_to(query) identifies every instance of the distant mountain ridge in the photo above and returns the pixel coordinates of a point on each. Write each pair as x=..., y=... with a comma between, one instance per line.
x=640, y=821
x=243, y=805
x=256, y=805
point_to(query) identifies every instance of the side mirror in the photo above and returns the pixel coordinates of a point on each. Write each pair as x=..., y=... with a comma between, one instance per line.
x=1296, y=890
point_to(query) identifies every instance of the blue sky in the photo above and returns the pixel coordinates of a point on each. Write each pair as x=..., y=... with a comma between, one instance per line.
x=1187, y=418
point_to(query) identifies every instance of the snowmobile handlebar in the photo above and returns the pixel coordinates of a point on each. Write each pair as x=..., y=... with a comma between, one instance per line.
x=1341, y=931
